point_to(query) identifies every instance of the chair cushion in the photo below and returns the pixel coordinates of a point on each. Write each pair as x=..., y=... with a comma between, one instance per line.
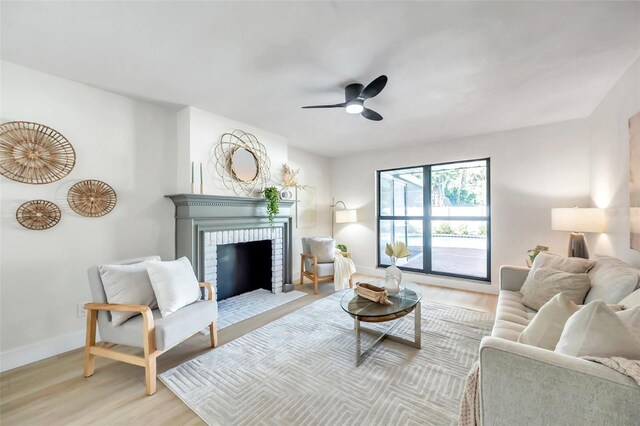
x=323, y=250
x=170, y=330
x=174, y=284
x=129, y=285
x=324, y=269
x=611, y=280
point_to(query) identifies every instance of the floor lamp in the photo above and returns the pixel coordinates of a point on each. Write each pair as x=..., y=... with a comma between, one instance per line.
x=578, y=220
x=342, y=216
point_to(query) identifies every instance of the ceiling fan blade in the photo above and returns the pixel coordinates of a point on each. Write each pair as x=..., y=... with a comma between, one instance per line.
x=374, y=87
x=371, y=114
x=327, y=106
x=352, y=91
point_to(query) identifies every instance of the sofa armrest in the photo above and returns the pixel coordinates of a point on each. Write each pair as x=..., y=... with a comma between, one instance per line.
x=521, y=384
x=512, y=277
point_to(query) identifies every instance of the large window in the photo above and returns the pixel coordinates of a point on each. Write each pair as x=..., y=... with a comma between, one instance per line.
x=447, y=235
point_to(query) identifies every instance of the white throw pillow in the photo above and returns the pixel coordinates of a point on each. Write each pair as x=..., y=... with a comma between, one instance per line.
x=631, y=317
x=174, y=283
x=575, y=265
x=546, y=327
x=631, y=300
x=324, y=250
x=129, y=285
x=611, y=280
x=596, y=330
x=547, y=282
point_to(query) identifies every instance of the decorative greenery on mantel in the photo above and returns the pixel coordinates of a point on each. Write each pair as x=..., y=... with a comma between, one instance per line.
x=271, y=194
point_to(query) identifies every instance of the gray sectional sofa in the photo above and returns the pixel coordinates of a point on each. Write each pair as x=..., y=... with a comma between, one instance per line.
x=526, y=385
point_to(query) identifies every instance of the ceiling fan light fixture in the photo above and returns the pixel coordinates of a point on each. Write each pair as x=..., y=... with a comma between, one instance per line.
x=355, y=107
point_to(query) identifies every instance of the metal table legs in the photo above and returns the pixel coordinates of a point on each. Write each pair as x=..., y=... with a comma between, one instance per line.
x=417, y=335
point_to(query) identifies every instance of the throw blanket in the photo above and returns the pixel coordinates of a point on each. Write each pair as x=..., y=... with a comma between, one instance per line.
x=470, y=402
x=628, y=367
x=343, y=268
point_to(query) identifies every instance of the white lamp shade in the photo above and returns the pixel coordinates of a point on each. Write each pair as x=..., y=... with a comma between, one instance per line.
x=578, y=219
x=346, y=216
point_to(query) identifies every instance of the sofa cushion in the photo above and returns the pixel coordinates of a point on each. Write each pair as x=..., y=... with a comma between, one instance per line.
x=631, y=300
x=546, y=327
x=611, y=280
x=631, y=317
x=596, y=330
x=511, y=316
x=547, y=282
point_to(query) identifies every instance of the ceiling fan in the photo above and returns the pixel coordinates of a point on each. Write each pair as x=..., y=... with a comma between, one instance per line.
x=355, y=94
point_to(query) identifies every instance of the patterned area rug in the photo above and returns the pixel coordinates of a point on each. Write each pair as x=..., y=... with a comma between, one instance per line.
x=247, y=305
x=299, y=370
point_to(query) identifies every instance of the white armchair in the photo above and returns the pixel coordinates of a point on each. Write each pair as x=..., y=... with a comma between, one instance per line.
x=149, y=330
x=312, y=269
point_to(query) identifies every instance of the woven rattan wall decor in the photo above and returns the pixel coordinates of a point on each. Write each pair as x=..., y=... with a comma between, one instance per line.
x=241, y=145
x=38, y=215
x=91, y=198
x=34, y=153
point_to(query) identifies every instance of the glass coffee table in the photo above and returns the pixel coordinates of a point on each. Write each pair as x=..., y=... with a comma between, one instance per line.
x=364, y=310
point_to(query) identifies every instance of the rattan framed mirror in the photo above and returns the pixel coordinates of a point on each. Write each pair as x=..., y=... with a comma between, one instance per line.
x=242, y=163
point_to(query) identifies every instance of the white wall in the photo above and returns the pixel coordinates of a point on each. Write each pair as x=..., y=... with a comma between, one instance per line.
x=532, y=170
x=205, y=129
x=128, y=144
x=316, y=172
x=609, y=164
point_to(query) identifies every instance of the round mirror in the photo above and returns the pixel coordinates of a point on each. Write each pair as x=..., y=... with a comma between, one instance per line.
x=244, y=165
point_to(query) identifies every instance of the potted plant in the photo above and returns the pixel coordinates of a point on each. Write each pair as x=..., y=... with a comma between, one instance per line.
x=289, y=182
x=534, y=252
x=271, y=195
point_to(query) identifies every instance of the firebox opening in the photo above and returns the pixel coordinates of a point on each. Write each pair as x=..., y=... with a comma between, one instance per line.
x=243, y=267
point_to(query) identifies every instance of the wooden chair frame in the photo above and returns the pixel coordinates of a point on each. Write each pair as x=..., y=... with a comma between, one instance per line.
x=148, y=361
x=313, y=276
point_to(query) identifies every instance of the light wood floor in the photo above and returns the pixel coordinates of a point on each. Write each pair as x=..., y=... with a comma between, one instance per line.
x=53, y=391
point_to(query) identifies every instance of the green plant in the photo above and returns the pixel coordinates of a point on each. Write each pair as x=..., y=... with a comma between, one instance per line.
x=271, y=195
x=536, y=251
x=342, y=248
x=443, y=229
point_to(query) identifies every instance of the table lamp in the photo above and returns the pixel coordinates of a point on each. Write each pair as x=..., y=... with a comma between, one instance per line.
x=578, y=220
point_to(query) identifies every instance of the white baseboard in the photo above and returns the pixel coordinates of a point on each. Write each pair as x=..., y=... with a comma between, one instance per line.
x=437, y=280
x=24, y=355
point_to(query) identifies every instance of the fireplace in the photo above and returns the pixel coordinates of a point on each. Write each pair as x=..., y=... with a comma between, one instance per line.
x=207, y=224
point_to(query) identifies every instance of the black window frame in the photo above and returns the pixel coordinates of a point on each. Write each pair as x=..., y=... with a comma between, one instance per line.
x=427, y=218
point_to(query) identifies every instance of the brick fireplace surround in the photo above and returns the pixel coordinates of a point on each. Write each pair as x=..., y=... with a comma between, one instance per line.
x=205, y=221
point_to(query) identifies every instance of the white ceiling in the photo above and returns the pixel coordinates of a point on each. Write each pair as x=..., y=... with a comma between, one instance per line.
x=454, y=68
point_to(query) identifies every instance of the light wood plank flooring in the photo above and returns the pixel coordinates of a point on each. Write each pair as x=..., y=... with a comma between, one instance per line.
x=54, y=392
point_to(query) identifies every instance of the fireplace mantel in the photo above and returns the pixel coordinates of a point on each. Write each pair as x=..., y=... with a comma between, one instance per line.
x=200, y=205
x=197, y=214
